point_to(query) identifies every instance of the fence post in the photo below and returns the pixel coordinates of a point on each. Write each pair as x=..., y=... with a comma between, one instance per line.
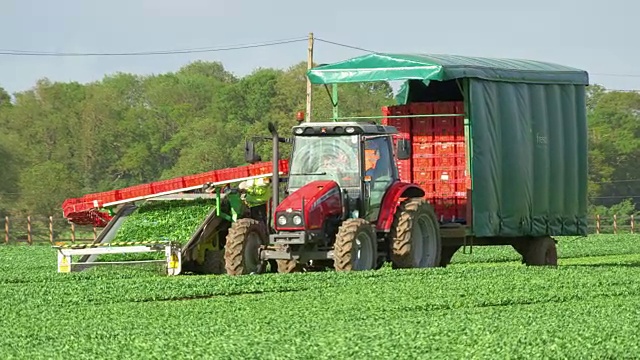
x=598, y=224
x=632, y=224
x=73, y=233
x=29, y=240
x=51, y=229
x=615, y=223
x=6, y=229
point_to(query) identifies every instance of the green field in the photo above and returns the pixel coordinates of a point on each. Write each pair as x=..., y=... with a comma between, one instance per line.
x=485, y=305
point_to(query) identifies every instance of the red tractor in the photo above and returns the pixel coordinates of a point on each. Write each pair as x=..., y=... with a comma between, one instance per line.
x=344, y=206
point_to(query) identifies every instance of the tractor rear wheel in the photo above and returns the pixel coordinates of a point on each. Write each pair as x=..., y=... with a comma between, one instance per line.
x=242, y=249
x=542, y=251
x=415, y=235
x=355, y=248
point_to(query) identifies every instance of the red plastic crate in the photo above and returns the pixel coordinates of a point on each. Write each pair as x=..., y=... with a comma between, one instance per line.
x=283, y=166
x=421, y=108
x=168, y=185
x=422, y=163
x=444, y=107
x=261, y=168
x=385, y=112
x=233, y=173
x=446, y=209
x=455, y=162
x=135, y=191
x=422, y=175
x=447, y=148
x=423, y=149
x=449, y=209
x=200, y=179
x=452, y=188
x=403, y=126
x=102, y=197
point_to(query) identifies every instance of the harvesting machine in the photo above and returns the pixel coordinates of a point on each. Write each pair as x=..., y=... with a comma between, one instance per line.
x=478, y=152
x=202, y=252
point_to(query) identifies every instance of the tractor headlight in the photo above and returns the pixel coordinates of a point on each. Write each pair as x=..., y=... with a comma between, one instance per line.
x=282, y=220
x=297, y=220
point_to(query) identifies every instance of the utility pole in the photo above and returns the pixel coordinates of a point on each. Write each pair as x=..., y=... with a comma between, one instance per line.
x=309, y=66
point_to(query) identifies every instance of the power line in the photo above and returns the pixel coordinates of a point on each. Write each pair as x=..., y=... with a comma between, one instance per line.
x=345, y=45
x=13, y=52
x=157, y=52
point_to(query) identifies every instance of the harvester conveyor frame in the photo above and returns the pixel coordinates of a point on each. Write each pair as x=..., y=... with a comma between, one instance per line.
x=190, y=188
x=173, y=256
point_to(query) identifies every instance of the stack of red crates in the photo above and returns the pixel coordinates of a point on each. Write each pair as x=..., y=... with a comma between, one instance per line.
x=84, y=210
x=403, y=124
x=438, y=163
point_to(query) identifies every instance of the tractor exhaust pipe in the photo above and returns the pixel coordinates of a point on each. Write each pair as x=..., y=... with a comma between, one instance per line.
x=275, y=159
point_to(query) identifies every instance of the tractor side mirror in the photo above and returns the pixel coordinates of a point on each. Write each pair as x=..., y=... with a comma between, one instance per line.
x=250, y=155
x=403, y=149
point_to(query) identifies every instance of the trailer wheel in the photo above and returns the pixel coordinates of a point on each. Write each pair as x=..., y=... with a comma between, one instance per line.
x=542, y=251
x=355, y=248
x=415, y=235
x=242, y=248
x=446, y=255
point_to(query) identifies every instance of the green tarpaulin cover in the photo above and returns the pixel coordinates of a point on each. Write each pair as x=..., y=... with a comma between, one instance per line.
x=389, y=67
x=528, y=131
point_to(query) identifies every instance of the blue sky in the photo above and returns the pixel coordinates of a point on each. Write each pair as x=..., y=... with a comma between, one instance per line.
x=600, y=37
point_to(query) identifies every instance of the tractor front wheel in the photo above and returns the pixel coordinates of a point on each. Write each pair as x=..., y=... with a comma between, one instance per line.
x=355, y=247
x=415, y=235
x=242, y=249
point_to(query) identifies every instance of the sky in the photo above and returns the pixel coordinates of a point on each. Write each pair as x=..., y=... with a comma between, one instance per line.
x=597, y=36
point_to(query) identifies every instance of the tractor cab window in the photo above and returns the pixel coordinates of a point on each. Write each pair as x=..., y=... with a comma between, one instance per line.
x=378, y=160
x=325, y=158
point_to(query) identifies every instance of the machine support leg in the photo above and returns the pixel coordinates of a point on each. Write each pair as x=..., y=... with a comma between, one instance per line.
x=174, y=260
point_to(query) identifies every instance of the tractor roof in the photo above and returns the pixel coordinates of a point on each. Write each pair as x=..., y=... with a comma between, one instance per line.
x=342, y=128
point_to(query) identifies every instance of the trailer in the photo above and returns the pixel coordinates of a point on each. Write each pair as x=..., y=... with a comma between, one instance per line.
x=498, y=145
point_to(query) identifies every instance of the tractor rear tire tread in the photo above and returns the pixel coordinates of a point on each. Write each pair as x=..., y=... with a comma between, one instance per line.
x=400, y=248
x=236, y=241
x=345, y=239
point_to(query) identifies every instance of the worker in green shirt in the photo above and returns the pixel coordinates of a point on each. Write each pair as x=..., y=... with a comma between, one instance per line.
x=256, y=191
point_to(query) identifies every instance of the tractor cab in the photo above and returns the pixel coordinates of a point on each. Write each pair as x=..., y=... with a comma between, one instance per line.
x=359, y=157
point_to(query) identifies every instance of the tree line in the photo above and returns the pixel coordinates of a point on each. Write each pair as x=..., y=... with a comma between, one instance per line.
x=66, y=139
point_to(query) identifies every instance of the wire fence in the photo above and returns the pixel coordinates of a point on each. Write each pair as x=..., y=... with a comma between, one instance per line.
x=56, y=230
x=53, y=230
